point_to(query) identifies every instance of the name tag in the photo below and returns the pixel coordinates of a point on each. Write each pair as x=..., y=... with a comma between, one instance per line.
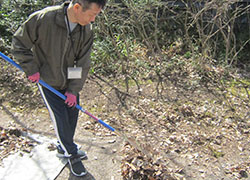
x=74, y=72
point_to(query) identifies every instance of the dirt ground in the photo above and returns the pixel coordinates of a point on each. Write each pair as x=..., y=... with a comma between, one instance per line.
x=195, y=140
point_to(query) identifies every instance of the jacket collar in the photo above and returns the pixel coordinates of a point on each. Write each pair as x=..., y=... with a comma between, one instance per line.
x=60, y=15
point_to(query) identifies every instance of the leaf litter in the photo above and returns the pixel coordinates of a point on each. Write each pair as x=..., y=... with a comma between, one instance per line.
x=189, y=135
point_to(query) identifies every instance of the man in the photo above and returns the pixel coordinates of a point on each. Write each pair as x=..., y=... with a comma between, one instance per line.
x=54, y=44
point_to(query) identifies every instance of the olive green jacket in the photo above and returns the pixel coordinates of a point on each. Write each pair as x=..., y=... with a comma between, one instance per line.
x=42, y=44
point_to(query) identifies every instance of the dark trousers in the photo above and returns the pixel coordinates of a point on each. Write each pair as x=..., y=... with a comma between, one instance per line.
x=64, y=119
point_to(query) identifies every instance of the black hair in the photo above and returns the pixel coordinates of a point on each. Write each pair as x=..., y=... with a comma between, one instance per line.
x=86, y=3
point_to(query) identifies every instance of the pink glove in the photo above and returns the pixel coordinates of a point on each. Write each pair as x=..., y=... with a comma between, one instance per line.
x=70, y=100
x=35, y=77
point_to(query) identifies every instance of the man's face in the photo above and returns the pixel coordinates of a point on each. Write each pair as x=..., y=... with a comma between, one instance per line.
x=85, y=17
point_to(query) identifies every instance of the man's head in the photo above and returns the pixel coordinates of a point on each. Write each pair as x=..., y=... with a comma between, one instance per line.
x=84, y=12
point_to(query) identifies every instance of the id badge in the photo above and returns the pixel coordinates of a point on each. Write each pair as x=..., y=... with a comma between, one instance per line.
x=74, y=72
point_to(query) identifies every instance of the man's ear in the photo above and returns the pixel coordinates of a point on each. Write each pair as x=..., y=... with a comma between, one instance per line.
x=77, y=6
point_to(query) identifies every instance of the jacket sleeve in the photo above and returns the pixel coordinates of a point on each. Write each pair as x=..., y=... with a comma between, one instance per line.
x=76, y=85
x=22, y=44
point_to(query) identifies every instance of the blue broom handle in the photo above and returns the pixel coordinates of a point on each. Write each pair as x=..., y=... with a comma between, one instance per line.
x=58, y=93
x=10, y=61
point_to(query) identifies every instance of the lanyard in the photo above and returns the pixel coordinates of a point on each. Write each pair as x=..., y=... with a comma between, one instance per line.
x=71, y=39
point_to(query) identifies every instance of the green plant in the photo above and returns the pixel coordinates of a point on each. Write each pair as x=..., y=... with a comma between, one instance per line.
x=14, y=13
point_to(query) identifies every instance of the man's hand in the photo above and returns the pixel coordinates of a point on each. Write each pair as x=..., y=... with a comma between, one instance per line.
x=70, y=99
x=35, y=77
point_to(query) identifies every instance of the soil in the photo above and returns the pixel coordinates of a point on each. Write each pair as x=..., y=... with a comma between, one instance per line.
x=196, y=138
